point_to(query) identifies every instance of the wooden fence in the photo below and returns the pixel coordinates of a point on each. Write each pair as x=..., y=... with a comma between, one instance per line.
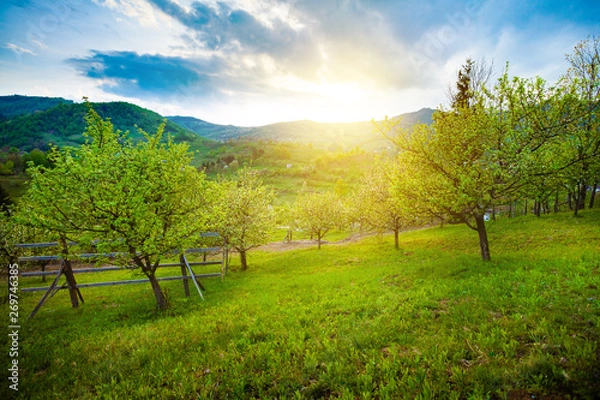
x=184, y=264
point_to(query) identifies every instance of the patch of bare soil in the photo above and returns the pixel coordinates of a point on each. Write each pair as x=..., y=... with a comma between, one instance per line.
x=301, y=244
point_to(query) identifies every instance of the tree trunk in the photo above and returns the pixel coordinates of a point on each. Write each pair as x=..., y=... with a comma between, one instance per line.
x=72, y=283
x=396, y=242
x=68, y=273
x=483, y=239
x=243, y=261
x=161, y=300
x=593, y=195
x=582, y=196
x=556, y=201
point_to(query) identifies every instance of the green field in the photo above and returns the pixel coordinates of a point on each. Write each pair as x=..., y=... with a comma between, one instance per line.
x=355, y=320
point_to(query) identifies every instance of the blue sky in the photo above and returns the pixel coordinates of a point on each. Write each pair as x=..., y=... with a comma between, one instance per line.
x=263, y=61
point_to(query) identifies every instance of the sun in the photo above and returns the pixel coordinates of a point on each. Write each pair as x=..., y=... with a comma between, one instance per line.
x=327, y=101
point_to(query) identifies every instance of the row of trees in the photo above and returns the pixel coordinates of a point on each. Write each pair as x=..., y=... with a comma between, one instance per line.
x=521, y=138
x=14, y=162
x=371, y=207
x=142, y=199
x=518, y=139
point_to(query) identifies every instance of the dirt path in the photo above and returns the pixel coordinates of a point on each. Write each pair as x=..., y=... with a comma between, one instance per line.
x=301, y=244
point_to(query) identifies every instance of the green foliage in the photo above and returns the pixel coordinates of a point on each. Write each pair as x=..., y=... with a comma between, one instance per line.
x=464, y=95
x=37, y=157
x=12, y=233
x=11, y=162
x=448, y=169
x=14, y=162
x=378, y=206
x=319, y=213
x=63, y=125
x=140, y=198
x=243, y=213
x=580, y=146
x=15, y=185
x=12, y=106
x=496, y=144
x=358, y=320
x=7, y=168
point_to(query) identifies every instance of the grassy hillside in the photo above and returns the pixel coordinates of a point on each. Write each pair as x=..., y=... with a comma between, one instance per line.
x=288, y=168
x=353, y=320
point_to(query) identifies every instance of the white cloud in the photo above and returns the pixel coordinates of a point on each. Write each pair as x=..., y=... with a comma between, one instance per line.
x=138, y=10
x=270, y=60
x=19, y=50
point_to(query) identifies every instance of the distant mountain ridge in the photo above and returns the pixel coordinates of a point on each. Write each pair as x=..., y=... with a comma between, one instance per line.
x=323, y=133
x=210, y=130
x=28, y=122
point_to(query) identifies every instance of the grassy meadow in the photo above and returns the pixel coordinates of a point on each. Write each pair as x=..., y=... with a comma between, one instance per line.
x=354, y=320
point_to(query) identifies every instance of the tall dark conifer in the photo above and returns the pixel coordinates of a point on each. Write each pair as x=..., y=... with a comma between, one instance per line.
x=464, y=94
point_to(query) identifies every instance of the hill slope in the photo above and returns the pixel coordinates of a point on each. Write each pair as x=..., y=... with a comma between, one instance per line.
x=210, y=130
x=27, y=122
x=355, y=320
x=64, y=124
x=345, y=135
x=12, y=106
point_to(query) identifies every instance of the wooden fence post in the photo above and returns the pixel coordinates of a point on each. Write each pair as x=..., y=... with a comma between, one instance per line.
x=50, y=290
x=186, y=286
x=68, y=272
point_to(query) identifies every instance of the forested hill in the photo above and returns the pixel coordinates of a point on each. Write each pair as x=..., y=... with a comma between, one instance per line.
x=13, y=106
x=210, y=130
x=64, y=124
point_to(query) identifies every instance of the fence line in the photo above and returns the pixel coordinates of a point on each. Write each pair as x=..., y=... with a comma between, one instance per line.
x=184, y=264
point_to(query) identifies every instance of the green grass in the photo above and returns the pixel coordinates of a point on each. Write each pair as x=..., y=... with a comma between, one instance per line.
x=356, y=320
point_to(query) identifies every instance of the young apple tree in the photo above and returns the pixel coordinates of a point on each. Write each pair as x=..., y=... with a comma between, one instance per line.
x=379, y=206
x=319, y=213
x=581, y=144
x=143, y=199
x=486, y=147
x=245, y=213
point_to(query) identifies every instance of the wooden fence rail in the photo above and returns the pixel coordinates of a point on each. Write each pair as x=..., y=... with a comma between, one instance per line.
x=184, y=264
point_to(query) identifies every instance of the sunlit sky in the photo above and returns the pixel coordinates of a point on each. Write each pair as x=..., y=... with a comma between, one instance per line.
x=257, y=62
